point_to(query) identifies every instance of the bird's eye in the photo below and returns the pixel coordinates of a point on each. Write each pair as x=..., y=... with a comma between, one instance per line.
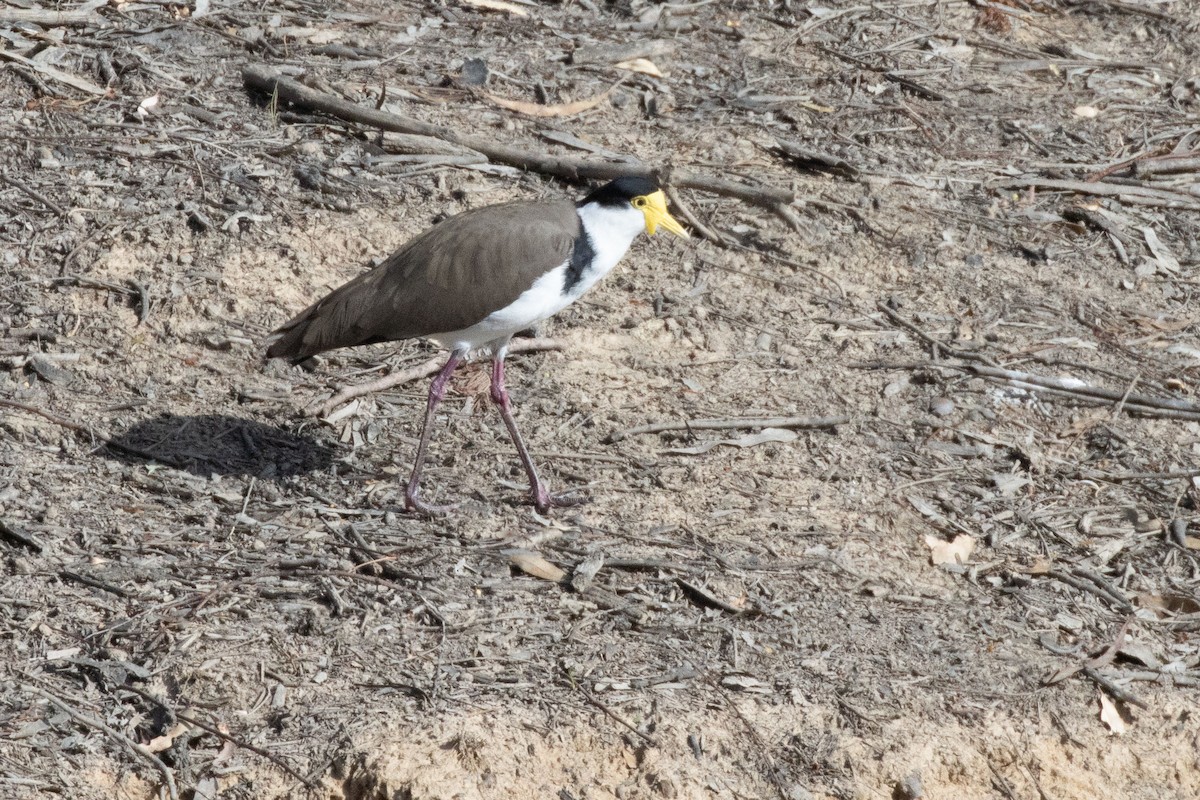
x=639, y=202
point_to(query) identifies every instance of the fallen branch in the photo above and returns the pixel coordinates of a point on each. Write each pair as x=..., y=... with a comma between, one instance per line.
x=265, y=79
x=731, y=424
x=1131, y=401
x=1122, y=400
x=1137, y=195
x=424, y=370
x=79, y=17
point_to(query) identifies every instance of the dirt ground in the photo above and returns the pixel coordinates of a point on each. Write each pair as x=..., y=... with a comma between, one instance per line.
x=990, y=269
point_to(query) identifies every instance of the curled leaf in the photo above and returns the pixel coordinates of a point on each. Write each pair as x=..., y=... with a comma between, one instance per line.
x=642, y=65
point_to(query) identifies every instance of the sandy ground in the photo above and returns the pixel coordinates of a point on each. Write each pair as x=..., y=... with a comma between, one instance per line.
x=229, y=593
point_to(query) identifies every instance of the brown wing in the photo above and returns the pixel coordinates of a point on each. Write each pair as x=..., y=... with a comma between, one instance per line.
x=448, y=278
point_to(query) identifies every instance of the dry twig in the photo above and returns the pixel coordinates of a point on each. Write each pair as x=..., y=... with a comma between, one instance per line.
x=729, y=424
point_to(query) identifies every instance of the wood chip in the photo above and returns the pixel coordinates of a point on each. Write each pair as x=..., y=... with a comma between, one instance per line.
x=585, y=572
x=497, y=5
x=552, y=110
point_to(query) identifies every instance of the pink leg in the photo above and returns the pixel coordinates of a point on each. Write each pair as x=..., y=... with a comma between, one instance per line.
x=542, y=500
x=437, y=390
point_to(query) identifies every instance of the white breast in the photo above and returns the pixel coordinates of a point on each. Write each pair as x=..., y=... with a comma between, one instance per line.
x=611, y=230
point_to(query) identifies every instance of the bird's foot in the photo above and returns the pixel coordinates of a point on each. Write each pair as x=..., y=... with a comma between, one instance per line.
x=414, y=503
x=543, y=501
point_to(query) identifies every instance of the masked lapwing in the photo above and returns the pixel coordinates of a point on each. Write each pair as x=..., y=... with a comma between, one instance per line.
x=475, y=279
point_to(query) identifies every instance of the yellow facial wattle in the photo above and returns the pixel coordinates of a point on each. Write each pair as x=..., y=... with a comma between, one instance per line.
x=654, y=207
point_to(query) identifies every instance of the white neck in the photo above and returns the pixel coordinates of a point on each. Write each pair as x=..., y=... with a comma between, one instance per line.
x=611, y=230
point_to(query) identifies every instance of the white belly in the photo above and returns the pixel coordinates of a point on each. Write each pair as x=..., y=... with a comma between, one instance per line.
x=541, y=301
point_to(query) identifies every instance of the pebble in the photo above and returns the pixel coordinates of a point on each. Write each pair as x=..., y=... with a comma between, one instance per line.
x=941, y=406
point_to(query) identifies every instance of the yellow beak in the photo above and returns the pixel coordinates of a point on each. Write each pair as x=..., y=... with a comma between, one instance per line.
x=655, y=210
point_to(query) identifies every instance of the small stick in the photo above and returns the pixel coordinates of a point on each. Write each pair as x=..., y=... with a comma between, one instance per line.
x=608, y=712
x=19, y=536
x=50, y=19
x=1129, y=391
x=424, y=370
x=772, y=769
x=802, y=267
x=685, y=211
x=66, y=423
x=1116, y=691
x=769, y=279
x=1147, y=476
x=729, y=424
x=143, y=310
x=105, y=439
x=141, y=750
x=911, y=328
x=1158, y=676
x=1091, y=587
x=86, y=580
x=36, y=195
x=1139, y=195
x=1104, y=657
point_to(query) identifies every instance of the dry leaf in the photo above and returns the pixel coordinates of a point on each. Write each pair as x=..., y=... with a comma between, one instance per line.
x=1169, y=603
x=956, y=552
x=498, y=5
x=642, y=65
x=160, y=743
x=533, y=564
x=553, y=110
x=1162, y=255
x=146, y=106
x=1110, y=716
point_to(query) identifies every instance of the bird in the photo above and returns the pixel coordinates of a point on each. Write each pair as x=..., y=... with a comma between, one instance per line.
x=474, y=280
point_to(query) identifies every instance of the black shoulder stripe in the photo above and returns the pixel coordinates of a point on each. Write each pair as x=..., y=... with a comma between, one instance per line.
x=581, y=259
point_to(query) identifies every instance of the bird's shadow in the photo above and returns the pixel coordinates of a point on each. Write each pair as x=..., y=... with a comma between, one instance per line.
x=208, y=444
